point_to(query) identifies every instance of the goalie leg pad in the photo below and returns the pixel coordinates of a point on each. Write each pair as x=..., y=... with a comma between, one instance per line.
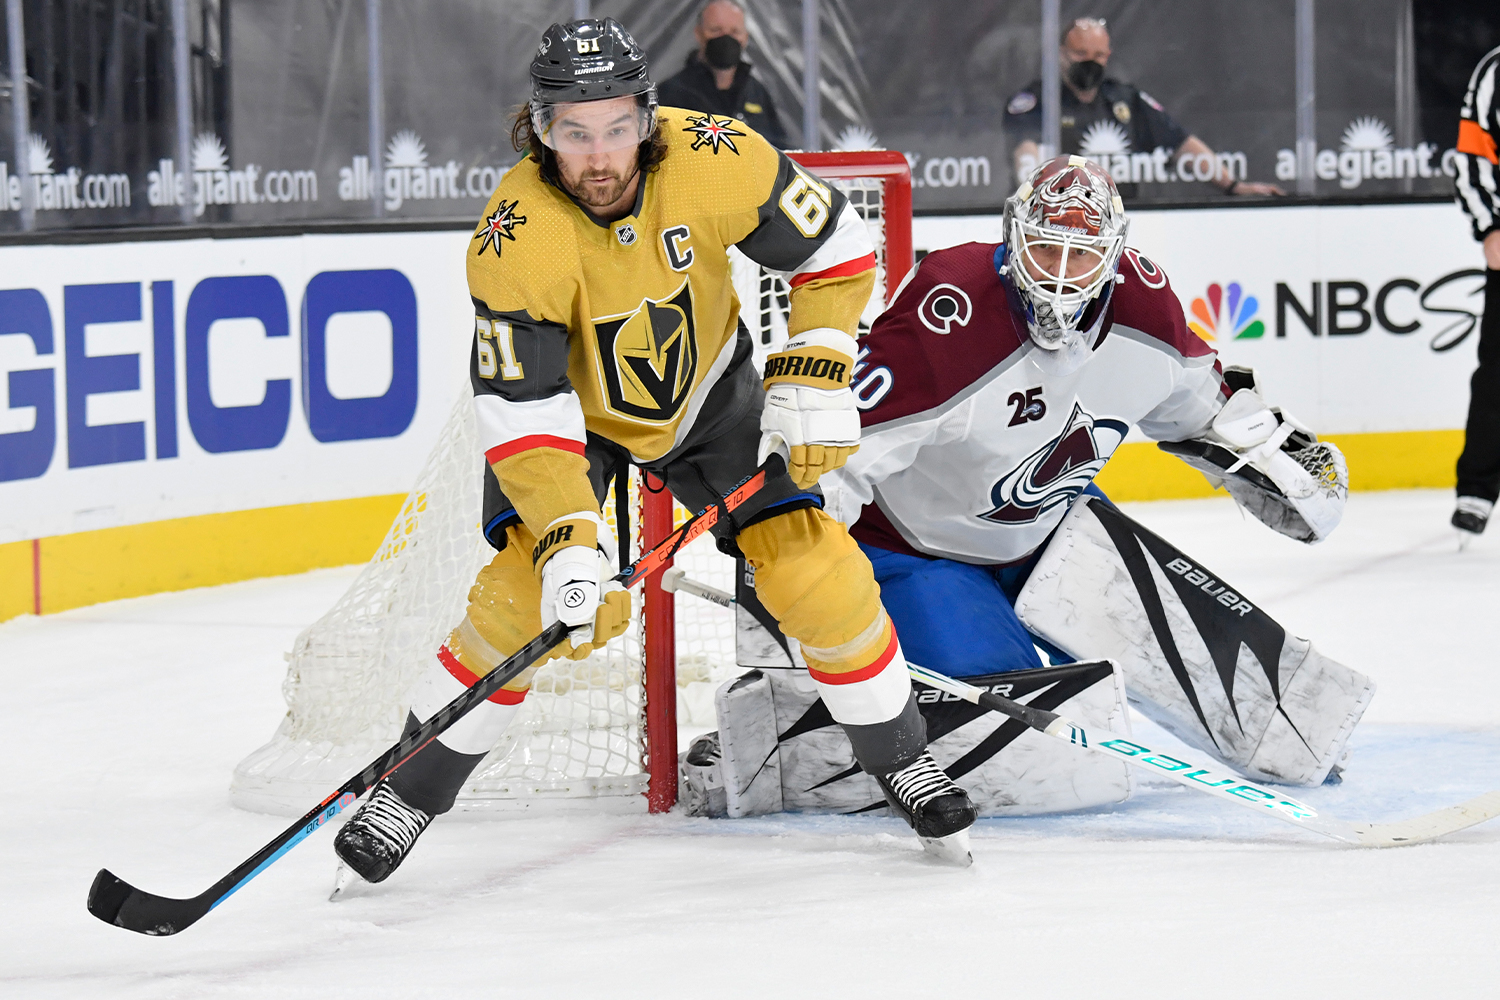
x=781, y=750
x=1199, y=658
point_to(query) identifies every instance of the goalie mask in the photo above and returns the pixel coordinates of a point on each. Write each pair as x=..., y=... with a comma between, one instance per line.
x=590, y=90
x=1065, y=231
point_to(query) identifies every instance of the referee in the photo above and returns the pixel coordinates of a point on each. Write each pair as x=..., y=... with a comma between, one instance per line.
x=1479, y=195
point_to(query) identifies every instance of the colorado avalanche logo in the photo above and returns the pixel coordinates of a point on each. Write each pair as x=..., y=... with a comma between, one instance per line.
x=1056, y=473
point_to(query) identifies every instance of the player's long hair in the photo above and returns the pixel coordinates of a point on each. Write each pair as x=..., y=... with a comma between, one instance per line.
x=525, y=140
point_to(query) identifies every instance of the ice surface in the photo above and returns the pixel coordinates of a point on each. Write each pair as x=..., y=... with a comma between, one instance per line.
x=125, y=720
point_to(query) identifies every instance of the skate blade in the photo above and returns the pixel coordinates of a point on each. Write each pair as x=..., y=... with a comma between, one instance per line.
x=1465, y=538
x=952, y=849
x=344, y=880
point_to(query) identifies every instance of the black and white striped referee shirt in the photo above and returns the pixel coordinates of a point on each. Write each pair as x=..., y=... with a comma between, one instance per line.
x=1477, y=162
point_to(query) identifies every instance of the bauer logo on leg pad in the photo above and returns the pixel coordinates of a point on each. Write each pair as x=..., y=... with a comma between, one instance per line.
x=1213, y=588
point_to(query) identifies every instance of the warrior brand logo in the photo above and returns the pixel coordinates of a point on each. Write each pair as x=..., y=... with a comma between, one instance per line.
x=713, y=134
x=801, y=366
x=649, y=357
x=1056, y=473
x=500, y=225
x=562, y=533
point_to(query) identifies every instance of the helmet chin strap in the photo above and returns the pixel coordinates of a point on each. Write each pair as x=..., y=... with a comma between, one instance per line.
x=1073, y=351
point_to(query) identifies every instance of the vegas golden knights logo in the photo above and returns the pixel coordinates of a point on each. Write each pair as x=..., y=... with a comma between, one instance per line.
x=650, y=356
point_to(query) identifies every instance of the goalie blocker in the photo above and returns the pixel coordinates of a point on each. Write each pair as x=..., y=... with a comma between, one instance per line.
x=1199, y=658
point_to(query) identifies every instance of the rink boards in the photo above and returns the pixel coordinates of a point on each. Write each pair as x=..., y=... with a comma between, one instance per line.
x=180, y=413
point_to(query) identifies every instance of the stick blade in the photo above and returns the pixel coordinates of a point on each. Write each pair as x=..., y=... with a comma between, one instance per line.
x=117, y=902
x=1430, y=826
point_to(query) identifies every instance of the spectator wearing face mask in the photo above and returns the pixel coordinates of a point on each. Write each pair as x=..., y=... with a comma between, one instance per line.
x=1101, y=115
x=717, y=78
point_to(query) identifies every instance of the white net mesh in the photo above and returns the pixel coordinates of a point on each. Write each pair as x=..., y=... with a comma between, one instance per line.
x=577, y=739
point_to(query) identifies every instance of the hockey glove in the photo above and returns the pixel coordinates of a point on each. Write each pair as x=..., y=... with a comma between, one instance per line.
x=576, y=584
x=1273, y=466
x=809, y=414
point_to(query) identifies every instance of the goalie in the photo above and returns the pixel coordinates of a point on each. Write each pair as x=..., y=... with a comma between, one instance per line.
x=993, y=391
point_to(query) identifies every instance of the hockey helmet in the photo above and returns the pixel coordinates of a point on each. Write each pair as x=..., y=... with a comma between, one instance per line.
x=583, y=62
x=1065, y=230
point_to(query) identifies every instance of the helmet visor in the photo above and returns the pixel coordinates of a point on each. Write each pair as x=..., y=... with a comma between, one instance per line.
x=594, y=126
x=1068, y=264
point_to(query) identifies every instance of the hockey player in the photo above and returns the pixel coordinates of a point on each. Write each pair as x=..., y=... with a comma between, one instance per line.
x=607, y=332
x=996, y=387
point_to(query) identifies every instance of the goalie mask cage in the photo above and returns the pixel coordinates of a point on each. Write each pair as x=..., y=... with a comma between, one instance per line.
x=599, y=733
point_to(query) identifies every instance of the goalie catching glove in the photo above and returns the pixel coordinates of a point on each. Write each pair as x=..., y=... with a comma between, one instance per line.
x=577, y=585
x=809, y=408
x=1274, y=467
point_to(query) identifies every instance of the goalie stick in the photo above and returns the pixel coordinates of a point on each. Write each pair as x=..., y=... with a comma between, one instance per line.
x=117, y=902
x=1221, y=782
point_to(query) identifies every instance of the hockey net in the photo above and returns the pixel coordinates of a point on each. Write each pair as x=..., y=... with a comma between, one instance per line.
x=587, y=736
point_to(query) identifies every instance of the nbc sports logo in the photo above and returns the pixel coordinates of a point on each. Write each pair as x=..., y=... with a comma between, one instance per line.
x=1217, y=316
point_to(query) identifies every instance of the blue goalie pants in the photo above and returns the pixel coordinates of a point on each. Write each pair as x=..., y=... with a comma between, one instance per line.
x=960, y=619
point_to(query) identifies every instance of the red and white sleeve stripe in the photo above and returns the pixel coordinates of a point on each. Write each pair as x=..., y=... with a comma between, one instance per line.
x=847, y=251
x=508, y=428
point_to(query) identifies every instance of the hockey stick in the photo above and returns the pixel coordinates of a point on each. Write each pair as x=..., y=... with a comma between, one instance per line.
x=1221, y=782
x=117, y=902
x=675, y=579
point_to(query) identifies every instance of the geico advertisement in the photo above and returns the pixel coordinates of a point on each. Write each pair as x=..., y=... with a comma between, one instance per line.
x=151, y=380
x=1356, y=318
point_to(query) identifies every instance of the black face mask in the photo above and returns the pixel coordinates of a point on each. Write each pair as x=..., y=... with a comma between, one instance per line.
x=1085, y=75
x=722, y=52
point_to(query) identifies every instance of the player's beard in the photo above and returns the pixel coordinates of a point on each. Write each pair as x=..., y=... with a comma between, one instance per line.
x=586, y=188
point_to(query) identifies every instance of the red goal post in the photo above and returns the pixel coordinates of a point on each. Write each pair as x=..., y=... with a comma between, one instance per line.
x=878, y=183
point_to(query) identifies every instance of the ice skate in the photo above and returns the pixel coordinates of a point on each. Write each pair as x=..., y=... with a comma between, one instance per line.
x=378, y=837
x=343, y=881
x=936, y=808
x=1470, y=515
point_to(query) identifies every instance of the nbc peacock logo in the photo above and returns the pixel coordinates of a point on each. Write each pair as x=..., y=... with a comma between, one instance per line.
x=1221, y=316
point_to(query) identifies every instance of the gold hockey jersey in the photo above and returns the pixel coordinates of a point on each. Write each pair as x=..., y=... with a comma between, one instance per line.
x=620, y=329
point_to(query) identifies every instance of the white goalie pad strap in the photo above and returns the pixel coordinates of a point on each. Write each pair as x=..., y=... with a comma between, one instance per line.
x=780, y=751
x=1199, y=658
x=476, y=732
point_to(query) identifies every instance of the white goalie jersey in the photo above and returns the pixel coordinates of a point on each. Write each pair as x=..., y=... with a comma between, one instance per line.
x=972, y=449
